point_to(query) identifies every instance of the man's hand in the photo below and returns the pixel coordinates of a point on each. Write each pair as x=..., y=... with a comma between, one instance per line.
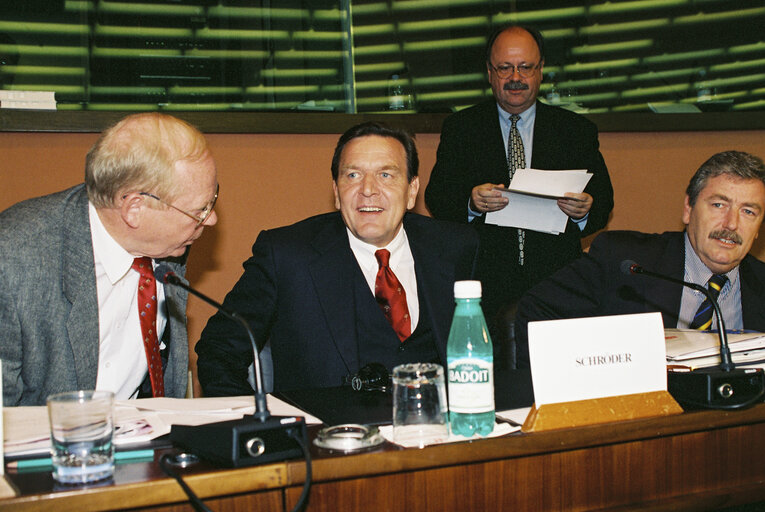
x=484, y=198
x=574, y=205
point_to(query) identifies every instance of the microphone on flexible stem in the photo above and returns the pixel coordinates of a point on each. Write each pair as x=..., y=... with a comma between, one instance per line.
x=721, y=387
x=255, y=439
x=164, y=274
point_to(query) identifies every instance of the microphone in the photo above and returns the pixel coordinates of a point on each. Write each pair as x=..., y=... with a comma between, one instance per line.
x=721, y=387
x=255, y=439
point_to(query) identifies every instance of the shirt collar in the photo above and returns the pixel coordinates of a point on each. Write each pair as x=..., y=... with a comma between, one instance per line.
x=529, y=113
x=115, y=260
x=394, y=246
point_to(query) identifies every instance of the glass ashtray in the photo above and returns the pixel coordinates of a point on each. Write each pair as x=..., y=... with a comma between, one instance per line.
x=349, y=437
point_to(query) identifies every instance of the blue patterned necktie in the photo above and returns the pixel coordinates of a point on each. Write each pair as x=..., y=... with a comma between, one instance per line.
x=703, y=319
x=516, y=159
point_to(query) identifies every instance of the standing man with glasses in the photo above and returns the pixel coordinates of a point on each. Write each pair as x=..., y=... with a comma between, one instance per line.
x=79, y=306
x=479, y=151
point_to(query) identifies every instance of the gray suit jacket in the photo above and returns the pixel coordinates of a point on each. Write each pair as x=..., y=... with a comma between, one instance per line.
x=48, y=304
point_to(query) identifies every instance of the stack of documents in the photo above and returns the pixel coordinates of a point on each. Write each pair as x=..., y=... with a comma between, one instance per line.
x=700, y=349
x=534, y=195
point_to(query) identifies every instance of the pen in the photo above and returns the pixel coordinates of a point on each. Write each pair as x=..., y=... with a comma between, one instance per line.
x=47, y=463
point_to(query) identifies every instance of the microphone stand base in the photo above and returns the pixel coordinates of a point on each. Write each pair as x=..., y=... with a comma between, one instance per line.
x=713, y=388
x=244, y=442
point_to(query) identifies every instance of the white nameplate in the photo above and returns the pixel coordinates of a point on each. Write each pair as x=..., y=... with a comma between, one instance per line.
x=586, y=358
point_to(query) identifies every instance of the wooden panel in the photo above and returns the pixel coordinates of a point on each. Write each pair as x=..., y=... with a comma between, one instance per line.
x=680, y=469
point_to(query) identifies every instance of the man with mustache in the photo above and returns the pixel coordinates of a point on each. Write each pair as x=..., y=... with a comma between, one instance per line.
x=481, y=147
x=315, y=291
x=723, y=210
x=79, y=306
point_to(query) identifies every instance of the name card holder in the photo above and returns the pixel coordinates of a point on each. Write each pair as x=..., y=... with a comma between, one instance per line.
x=600, y=410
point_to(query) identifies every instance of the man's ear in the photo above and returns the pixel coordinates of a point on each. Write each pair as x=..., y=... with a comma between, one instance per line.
x=131, y=209
x=687, y=210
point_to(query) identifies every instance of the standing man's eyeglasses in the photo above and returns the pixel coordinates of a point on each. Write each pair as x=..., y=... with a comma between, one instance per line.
x=507, y=70
x=204, y=213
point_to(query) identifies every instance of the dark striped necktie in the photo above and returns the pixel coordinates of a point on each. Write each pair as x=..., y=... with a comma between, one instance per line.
x=703, y=319
x=516, y=159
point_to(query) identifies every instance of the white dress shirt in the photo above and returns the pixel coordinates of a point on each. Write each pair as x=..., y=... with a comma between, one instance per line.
x=401, y=263
x=121, y=355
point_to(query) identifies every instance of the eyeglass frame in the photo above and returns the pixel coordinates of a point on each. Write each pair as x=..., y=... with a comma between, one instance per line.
x=528, y=70
x=206, y=211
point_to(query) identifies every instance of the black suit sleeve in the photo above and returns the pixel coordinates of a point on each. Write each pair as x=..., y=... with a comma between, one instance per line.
x=599, y=187
x=224, y=350
x=448, y=190
x=565, y=140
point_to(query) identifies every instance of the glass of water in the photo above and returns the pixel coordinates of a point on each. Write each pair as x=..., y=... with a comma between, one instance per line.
x=420, y=409
x=81, y=432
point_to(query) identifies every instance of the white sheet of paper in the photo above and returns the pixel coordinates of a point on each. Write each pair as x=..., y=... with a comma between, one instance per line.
x=586, y=358
x=683, y=344
x=536, y=208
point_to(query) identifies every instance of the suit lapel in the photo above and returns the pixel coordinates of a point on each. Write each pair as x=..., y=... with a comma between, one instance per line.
x=668, y=295
x=333, y=272
x=434, y=286
x=79, y=286
x=543, y=138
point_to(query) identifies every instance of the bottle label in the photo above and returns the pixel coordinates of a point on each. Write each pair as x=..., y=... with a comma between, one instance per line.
x=471, y=386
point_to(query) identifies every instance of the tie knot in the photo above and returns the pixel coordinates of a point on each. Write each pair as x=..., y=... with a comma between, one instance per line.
x=383, y=256
x=514, y=120
x=717, y=281
x=142, y=265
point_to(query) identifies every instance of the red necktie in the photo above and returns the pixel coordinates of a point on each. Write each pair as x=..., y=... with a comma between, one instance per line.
x=391, y=297
x=147, y=314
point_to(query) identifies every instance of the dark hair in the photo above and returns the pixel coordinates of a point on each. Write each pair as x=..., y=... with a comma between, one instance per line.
x=373, y=128
x=536, y=34
x=731, y=163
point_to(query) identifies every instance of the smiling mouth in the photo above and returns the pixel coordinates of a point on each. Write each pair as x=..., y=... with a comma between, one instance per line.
x=371, y=209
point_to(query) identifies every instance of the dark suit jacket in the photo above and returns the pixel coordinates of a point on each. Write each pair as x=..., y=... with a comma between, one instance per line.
x=472, y=152
x=297, y=292
x=48, y=303
x=596, y=286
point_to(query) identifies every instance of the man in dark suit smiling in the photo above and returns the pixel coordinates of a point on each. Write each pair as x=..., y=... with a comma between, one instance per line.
x=319, y=291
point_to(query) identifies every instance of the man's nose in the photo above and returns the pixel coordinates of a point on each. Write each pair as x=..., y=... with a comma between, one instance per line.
x=368, y=185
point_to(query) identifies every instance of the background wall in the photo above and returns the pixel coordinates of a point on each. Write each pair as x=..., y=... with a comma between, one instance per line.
x=272, y=180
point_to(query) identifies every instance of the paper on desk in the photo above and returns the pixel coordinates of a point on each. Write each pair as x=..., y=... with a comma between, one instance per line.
x=515, y=416
x=27, y=431
x=500, y=429
x=683, y=344
x=533, y=196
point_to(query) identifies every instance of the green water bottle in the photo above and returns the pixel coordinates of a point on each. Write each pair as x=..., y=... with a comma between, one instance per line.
x=470, y=361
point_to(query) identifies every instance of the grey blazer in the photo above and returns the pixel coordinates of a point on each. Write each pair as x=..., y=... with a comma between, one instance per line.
x=48, y=303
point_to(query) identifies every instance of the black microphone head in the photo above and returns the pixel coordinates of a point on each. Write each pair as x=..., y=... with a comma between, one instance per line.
x=163, y=273
x=629, y=267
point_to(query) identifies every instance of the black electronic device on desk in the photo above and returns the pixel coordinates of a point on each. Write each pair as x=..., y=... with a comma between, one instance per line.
x=718, y=387
x=256, y=439
x=372, y=406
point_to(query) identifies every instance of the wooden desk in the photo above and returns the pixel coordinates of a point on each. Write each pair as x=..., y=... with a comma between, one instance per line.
x=695, y=461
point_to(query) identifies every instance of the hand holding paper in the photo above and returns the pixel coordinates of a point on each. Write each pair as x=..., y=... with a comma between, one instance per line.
x=533, y=200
